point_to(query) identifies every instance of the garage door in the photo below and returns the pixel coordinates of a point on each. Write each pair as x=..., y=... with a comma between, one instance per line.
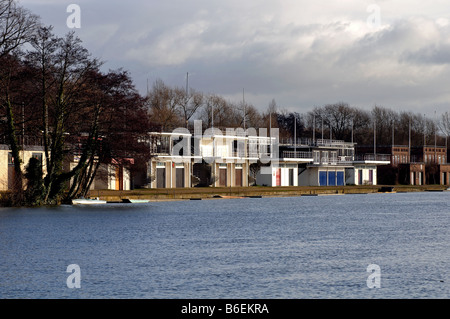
x=180, y=177
x=340, y=179
x=238, y=181
x=160, y=177
x=223, y=177
x=323, y=178
x=332, y=178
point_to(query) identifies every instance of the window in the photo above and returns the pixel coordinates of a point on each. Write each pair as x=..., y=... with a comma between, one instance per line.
x=316, y=156
x=333, y=157
x=324, y=157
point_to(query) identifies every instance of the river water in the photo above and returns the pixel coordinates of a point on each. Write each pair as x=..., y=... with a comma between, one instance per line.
x=289, y=248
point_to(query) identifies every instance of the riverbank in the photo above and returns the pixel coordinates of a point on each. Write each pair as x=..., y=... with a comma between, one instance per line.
x=255, y=191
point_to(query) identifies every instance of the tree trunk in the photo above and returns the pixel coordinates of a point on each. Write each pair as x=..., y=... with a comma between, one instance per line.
x=15, y=150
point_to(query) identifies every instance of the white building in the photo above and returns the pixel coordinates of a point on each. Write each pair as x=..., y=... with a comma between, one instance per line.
x=180, y=159
x=31, y=147
x=321, y=163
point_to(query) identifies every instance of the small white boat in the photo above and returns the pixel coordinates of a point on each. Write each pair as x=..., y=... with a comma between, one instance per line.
x=88, y=201
x=134, y=201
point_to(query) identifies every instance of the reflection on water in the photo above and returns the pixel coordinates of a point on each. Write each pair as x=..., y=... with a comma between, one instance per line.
x=300, y=247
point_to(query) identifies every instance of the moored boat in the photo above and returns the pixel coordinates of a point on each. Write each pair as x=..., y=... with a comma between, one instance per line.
x=88, y=201
x=134, y=201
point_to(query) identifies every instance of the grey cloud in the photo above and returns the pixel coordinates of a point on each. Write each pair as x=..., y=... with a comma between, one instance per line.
x=273, y=49
x=432, y=54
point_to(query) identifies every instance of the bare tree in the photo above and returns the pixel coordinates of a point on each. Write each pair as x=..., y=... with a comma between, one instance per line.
x=270, y=116
x=338, y=120
x=42, y=57
x=17, y=26
x=63, y=65
x=444, y=126
x=189, y=102
x=290, y=124
x=218, y=112
x=164, y=103
x=385, y=120
x=254, y=119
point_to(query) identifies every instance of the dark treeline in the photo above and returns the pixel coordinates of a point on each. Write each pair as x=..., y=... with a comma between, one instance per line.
x=53, y=92
x=173, y=107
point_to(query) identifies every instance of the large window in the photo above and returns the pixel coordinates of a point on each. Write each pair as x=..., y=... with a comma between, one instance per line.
x=316, y=157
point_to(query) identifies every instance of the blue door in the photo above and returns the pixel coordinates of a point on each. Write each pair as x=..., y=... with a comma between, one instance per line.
x=340, y=179
x=323, y=178
x=331, y=178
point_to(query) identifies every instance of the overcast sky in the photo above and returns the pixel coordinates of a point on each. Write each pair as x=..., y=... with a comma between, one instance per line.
x=300, y=53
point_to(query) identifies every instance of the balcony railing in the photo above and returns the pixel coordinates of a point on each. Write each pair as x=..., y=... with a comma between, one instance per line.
x=317, y=142
x=294, y=154
x=292, y=141
x=373, y=157
x=333, y=160
x=26, y=140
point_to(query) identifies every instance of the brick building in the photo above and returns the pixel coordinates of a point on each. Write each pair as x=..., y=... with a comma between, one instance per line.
x=417, y=165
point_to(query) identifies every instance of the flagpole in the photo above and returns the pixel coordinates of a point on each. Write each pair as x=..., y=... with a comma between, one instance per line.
x=314, y=129
x=409, y=145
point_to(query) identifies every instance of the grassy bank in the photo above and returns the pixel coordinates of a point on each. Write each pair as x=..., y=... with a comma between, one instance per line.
x=256, y=191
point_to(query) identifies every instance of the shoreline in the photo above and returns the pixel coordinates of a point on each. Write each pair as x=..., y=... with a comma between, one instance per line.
x=209, y=193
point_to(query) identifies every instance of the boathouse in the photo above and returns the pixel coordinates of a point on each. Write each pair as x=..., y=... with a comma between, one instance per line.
x=31, y=147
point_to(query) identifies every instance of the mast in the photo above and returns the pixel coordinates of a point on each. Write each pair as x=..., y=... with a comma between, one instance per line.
x=314, y=129
x=409, y=142
x=295, y=136
x=243, y=102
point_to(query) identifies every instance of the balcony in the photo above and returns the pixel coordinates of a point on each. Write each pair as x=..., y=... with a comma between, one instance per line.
x=341, y=160
x=294, y=154
x=299, y=141
x=26, y=140
x=317, y=142
x=333, y=143
x=373, y=157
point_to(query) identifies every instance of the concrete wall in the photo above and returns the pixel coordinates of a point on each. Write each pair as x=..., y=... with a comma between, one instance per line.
x=170, y=171
x=365, y=170
x=279, y=176
x=6, y=170
x=311, y=177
